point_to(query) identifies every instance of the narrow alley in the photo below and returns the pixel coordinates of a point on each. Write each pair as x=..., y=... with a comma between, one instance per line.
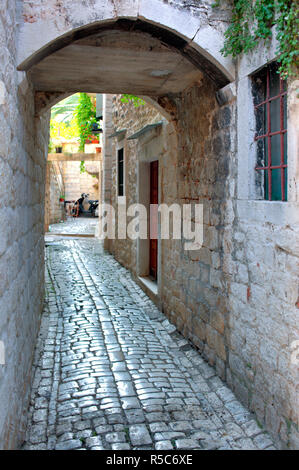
x=110, y=371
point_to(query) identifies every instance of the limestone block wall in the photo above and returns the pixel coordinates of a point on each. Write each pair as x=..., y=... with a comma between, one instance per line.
x=22, y=169
x=195, y=286
x=76, y=183
x=236, y=298
x=198, y=166
x=54, y=210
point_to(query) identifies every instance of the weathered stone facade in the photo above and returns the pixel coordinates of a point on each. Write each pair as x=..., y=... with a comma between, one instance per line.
x=23, y=144
x=54, y=209
x=235, y=298
x=77, y=183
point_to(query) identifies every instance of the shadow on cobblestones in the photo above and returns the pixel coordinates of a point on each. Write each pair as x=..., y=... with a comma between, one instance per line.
x=112, y=373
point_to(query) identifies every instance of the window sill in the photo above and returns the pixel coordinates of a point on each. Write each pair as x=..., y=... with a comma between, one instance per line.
x=274, y=212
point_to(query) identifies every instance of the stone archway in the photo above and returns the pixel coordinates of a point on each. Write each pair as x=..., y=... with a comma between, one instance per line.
x=199, y=36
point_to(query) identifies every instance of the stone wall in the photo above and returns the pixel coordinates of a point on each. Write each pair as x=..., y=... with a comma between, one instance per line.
x=54, y=209
x=77, y=183
x=235, y=298
x=22, y=169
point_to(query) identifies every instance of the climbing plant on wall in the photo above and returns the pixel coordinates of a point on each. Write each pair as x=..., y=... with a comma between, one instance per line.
x=86, y=116
x=253, y=21
x=82, y=167
x=127, y=98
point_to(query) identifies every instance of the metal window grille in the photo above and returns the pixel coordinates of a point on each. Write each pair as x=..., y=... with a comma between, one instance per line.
x=271, y=131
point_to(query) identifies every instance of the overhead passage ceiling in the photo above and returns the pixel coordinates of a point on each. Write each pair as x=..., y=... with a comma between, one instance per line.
x=116, y=61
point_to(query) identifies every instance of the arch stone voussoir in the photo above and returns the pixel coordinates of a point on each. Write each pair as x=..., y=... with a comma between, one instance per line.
x=44, y=100
x=49, y=26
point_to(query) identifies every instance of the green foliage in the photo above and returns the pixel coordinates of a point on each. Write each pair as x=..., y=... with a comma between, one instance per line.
x=253, y=21
x=126, y=98
x=82, y=167
x=287, y=35
x=85, y=115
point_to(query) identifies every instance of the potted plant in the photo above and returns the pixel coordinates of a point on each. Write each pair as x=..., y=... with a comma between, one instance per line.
x=62, y=198
x=94, y=140
x=58, y=149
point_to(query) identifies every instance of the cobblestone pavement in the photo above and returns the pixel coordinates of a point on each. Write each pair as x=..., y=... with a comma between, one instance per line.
x=75, y=225
x=112, y=373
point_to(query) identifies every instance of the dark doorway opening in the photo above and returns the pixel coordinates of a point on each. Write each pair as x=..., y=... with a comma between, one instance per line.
x=154, y=200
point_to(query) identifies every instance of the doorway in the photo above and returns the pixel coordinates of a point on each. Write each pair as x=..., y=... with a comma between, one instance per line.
x=154, y=201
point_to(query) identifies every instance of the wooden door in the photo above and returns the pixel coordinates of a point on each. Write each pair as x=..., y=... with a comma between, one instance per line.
x=154, y=199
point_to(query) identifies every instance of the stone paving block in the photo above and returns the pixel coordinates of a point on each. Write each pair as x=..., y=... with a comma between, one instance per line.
x=104, y=428
x=245, y=444
x=83, y=434
x=186, y=443
x=119, y=366
x=122, y=376
x=115, y=437
x=67, y=436
x=125, y=389
x=97, y=421
x=40, y=415
x=36, y=447
x=116, y=419
x=262, y=441
x=37, y=433
x=163, y=445
x=234, y=431
x=212, y=443
x=139, y=435
x=167, y=435
x=251, y=428
x=158, y=427
x=180, y=426
x=69, y=445
x=129, y=403
x=93, y=441
x=121, y=446
x=135, y=416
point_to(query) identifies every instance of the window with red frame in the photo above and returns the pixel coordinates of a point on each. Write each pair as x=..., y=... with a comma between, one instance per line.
x=270, y=104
